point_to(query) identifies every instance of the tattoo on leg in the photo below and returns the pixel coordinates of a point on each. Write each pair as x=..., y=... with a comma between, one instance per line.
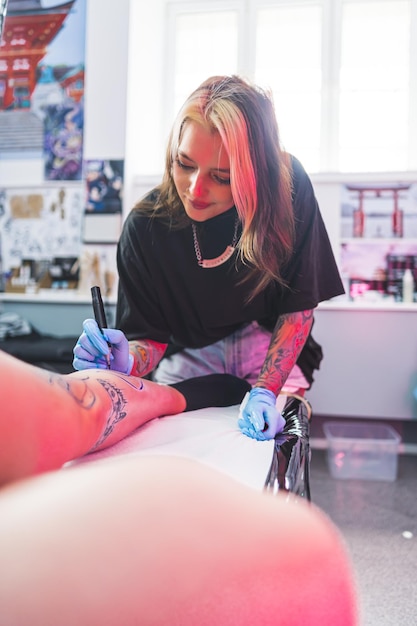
x=135, y=383
x=118, y=409
x=80, y=390
x=77, y=389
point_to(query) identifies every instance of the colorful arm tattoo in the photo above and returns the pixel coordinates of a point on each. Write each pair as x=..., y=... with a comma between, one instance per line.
x=147, y=354
x=288, y=338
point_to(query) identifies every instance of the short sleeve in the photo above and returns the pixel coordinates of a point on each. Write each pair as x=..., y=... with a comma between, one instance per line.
x=139, y=314
x=312, y=274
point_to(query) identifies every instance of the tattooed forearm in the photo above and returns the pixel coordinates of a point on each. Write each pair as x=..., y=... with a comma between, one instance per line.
x=147, y=355
x=288, y=339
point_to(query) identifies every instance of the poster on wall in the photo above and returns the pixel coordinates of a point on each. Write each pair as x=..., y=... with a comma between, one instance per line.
x=41, y=131
x=103, y=206
x=42, y=85
x=41, y=236
x=97, y=266
x=63, y=142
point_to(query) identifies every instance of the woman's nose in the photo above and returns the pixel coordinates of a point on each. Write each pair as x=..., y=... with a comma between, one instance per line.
x=197, y=185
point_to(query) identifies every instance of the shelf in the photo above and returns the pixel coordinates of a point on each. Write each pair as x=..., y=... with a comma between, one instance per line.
x=62, y=296
x=380, y=240
x=52, y=296
x=349, y=305
x=363, y=177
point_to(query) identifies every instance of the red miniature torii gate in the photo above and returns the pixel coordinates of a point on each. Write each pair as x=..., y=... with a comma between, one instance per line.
x=378, y=191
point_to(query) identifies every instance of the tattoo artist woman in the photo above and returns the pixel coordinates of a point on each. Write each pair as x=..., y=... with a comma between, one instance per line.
x=222, y=265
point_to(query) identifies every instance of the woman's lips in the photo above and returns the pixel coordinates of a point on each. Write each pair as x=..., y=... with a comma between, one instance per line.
x=198, y=205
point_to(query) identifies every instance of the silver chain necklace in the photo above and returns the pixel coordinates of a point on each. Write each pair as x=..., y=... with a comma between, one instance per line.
x=218, y=260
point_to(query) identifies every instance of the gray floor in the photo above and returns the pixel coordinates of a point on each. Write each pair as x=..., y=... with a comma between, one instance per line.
x=372, y=517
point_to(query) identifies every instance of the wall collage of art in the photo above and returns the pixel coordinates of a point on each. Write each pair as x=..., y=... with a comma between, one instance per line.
x=61, y=232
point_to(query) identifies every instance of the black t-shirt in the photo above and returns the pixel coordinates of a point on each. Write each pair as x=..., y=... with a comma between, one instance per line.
x=164, y=295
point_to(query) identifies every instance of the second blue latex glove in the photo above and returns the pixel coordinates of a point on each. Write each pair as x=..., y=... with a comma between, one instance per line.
x=92, y=350
x=259, y=417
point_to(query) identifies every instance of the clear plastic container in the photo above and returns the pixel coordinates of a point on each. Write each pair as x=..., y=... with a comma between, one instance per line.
x=362, y=450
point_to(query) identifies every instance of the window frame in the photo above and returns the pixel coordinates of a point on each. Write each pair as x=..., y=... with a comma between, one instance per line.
x=331, y=59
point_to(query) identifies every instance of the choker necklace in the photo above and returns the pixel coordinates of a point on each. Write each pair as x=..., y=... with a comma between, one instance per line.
x=218, y=260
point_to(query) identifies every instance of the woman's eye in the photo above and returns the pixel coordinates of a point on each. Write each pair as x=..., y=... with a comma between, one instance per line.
x=183, y=165
x=222, y=181
x=218, y=179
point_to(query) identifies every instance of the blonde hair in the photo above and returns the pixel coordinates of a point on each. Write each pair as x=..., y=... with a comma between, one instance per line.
x=260, y=176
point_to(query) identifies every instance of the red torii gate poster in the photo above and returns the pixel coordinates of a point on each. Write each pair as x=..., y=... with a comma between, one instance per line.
x=42, y=55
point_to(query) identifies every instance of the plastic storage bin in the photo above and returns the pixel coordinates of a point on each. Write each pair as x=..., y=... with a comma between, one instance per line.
x=366, y=451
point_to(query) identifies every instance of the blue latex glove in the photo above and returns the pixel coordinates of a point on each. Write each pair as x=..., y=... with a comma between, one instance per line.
x=92, y=349
x=259, y=417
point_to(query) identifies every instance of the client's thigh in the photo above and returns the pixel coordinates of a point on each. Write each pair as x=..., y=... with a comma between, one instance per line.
x=160, y=540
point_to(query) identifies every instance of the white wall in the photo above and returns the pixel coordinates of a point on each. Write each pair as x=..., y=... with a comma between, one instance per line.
x=369, y=368
x=106, y=79
x=145, y=94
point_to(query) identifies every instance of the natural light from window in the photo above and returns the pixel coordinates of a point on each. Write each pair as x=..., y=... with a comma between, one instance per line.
x=342, y=72
x=374, y=86
x=206, y=44
x=288, y=60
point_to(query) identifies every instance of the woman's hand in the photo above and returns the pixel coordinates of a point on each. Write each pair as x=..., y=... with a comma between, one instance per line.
x=107, y=349
x=260, y=419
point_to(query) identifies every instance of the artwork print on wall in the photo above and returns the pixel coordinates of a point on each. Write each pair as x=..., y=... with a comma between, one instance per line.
x=39, y=226
x=63, y=142
x=42, y=85
x=103, y=207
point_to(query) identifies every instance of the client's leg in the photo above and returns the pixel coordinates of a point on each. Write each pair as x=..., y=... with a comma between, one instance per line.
x=48, y=419
x=157, y=541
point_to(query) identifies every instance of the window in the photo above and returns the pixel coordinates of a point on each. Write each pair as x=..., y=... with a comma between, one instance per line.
x=339, y=70
x=288, y=59
x=374, y=83
x=205, y=45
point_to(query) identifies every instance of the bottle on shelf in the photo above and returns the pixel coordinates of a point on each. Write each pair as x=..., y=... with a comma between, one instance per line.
x=408, y=286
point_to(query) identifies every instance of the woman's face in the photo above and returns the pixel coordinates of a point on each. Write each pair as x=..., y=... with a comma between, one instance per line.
x=201, y=173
